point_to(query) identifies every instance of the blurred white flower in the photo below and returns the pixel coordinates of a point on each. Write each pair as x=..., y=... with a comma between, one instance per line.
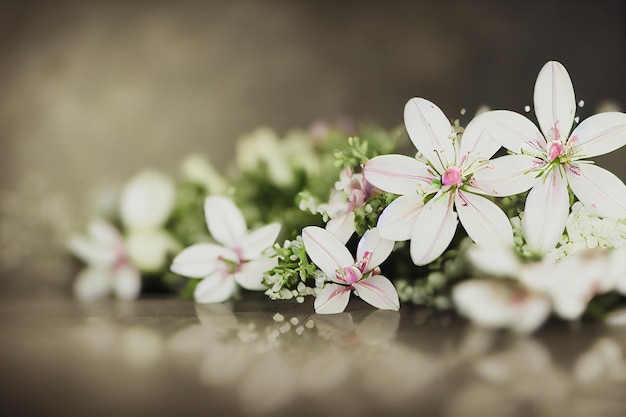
x=500, y=304
x=108, y=268
x=196, y=168
x=239, y=259
x=147, y=200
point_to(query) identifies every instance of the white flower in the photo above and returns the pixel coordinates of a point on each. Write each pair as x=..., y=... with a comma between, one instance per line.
x=551, y=161
x=348, y=275
x=586, y=230
x=238, y=260
x=448, y=174
x=108, y=267
x=351, y=191
x=147, y=200
x=501, y=303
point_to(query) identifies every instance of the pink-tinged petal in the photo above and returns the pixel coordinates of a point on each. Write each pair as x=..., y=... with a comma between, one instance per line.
x=250, y=274
x=397, y=219
x=599, y=134
x=378, y=291
x=92, y=284
x=545, y=212
x=225, y=221
x=433, y=230
x=325, y=250
x=507, y=175
x=375, y=248
x=513, y=131
x=476, y=143
x=483, y=220
x=200, y=260
x=555, y=104
x=398, y=174
x=253, y=244
x=126, y=283
x=215, y=288
x=496, y=304
x=332, y=299
x=342, y=227
x=430, y=131
x=598, y=189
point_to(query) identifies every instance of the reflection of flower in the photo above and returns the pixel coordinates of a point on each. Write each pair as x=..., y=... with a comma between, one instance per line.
x=556, y=158
x=108, y=267
x=239, y=258
x=348, y=275
x=447, y=173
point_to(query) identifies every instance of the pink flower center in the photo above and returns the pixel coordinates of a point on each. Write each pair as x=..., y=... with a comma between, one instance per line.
x=555, y=150
x=349, y=274
x=452, y=176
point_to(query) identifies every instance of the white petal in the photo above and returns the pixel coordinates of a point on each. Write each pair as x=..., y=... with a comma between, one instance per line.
x=507, y=175
x=254, y=243
x=378, y=291
x=332, y=299
x=555, y=104
x=599, y=134
x=92, y=252
x=397, y=219
x=250, y=273
x=126, y=283
x=476, y=143
x=397, y=174
x=430, y=131
x=433, y=230
x=225, y=220
x=104, y=232
x=598, y=189
x=545, y=212
x=325, y=250
x=147, y=200
x=92, y=284
x=379, y=248
x=200, y=260
x=342, y=227
x=215, y=288
x=513, y=131
x=483, y=220
x=495, y=304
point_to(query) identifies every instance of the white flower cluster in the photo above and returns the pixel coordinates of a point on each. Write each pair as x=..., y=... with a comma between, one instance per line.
x=586, y=230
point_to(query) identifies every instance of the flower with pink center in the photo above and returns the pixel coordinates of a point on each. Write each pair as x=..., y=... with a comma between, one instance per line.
x=549, y=163
x=429, y=220
x=239, y=259
x=108, y=269
x=361, y=276
x=351, y=191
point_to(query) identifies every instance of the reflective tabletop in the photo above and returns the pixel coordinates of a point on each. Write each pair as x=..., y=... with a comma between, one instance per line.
x=164, y=356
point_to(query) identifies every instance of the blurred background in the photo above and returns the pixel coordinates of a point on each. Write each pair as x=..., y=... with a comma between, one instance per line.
x=92, y=92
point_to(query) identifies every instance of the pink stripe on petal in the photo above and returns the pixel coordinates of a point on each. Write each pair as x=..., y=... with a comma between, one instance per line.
x=332, y=299
x=598, y=189
x=545, y=212
x=378, y=291
x=397, y=174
